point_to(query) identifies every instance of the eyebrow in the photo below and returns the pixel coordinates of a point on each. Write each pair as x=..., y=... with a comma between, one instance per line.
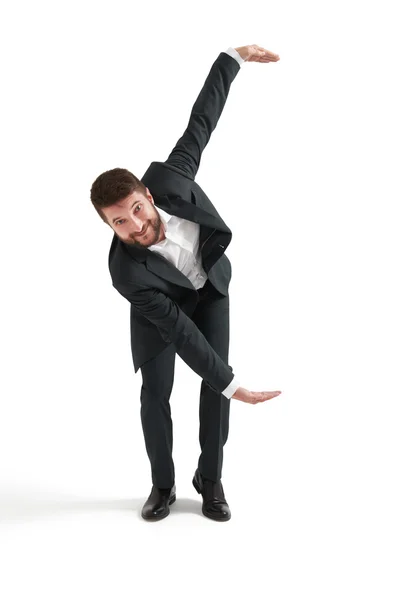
x=116, y=218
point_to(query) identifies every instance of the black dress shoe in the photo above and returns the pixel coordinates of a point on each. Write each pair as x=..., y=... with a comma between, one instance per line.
x=157, y=504
x=215, y=505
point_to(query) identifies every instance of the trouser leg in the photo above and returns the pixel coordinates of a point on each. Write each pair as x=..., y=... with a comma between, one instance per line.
x=212, y=318
x=155, y=413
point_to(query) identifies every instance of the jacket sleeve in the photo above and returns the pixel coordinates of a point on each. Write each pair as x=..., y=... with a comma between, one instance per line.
x=176, y=327
x=204, y=117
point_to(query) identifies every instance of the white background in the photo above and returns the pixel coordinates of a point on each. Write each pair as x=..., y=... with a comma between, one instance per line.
x=306, y=154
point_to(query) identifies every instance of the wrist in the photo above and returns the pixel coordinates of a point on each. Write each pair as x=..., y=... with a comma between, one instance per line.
x=243, y=52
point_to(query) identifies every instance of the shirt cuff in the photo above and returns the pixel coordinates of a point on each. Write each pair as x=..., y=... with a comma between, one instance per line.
x=235, y=54
x=232, y=387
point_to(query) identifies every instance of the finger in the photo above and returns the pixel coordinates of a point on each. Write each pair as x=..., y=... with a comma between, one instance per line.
x=269, y=54
x=261, y=59
x=257, y=50
x=266, y=54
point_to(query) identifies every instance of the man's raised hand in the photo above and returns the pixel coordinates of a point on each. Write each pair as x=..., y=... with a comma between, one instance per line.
x=256, y=53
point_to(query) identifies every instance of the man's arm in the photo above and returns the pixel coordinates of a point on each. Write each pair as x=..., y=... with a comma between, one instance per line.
x=232, y=388
x=205, y=113
x=235, y=54
x=176, y=327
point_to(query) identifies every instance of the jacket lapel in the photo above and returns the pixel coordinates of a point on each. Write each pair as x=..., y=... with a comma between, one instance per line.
x=208, y=222
x=192, y=211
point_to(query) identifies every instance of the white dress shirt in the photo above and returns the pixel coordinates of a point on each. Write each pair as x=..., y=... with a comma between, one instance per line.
x=181, y=247
x=235, y=54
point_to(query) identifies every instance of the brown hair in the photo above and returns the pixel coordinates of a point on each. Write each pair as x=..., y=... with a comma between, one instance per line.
x=112, y=186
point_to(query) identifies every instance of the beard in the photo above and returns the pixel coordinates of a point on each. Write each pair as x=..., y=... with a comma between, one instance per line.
x=150, y=237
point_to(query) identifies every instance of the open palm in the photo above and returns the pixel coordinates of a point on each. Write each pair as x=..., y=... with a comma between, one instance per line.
x=255, y=53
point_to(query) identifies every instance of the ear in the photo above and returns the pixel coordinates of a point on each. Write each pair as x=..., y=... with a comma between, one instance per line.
x=149, y=196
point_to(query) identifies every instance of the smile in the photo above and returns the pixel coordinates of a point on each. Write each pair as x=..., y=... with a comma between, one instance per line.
x=143, y=232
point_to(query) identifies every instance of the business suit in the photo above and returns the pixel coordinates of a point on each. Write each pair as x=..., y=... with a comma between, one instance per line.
x=168, y=314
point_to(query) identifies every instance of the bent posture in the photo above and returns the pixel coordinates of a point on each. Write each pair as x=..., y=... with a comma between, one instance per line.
x=167, y=258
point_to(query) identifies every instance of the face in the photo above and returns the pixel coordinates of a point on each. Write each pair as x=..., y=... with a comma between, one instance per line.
x=136, y=220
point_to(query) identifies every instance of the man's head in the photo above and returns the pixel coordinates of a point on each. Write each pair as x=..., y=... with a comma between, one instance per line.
x=127, y=206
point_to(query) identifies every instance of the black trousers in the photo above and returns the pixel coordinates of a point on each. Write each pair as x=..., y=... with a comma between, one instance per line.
x=211, y=316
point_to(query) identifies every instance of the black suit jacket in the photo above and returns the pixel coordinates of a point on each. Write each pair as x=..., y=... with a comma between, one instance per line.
x=162, y=298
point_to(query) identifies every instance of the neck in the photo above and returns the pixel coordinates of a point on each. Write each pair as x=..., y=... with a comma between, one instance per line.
x=162, y=233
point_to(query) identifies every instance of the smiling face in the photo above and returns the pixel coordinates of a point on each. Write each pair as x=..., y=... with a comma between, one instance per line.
x=135, y=220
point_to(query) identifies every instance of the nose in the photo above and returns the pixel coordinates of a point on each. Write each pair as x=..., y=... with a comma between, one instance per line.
x=138, y=225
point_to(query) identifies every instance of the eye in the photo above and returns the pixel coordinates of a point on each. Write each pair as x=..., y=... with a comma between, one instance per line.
x=119, y=220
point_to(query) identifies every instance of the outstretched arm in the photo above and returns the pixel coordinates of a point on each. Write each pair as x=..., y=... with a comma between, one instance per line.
x=176, y=327
x=204, y=116
x=209, y=104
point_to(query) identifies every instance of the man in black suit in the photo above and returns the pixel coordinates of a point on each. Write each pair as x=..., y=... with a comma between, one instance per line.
x=167, y=258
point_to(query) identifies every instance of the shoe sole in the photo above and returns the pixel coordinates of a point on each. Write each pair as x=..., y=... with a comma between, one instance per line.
x=162, y=516
x=196, y=487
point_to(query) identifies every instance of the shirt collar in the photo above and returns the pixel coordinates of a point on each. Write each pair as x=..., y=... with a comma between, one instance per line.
x=165, y=217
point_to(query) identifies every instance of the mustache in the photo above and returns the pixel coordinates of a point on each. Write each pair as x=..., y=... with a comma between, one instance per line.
x=144, y=229
x=154, y=223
